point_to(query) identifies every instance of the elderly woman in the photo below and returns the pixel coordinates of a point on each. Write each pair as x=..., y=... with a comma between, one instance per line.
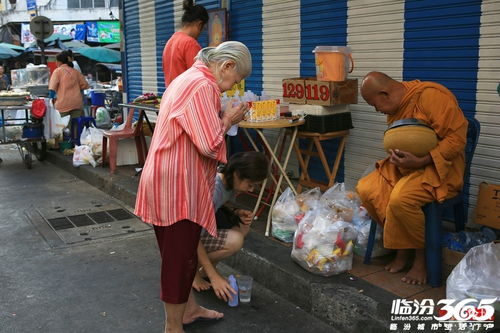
x=65, y=87
x=177, y=182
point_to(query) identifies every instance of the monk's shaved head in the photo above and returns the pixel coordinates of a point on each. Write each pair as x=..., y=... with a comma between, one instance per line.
x=375, y=82
x=382, y=92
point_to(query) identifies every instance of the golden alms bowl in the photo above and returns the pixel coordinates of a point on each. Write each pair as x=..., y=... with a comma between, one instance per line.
x=411, y=135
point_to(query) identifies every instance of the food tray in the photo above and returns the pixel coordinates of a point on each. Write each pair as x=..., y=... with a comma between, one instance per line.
x=12, y=101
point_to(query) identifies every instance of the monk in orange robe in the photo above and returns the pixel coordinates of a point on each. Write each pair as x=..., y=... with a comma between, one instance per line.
x=401, y=184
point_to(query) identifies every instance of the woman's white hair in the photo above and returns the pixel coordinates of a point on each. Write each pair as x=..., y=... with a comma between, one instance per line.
x=230, y=50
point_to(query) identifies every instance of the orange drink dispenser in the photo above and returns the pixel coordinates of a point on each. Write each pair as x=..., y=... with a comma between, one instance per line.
x=333, y=62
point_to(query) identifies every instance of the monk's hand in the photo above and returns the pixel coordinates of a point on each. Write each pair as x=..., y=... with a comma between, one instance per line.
x=245, y=216
x=406, y=160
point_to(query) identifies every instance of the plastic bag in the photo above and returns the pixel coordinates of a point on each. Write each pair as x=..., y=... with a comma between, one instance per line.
x=82, y=156
x=92, y=137
x=55, y=122
x=476, y=275
x=283, y=216
x=102, y=118
x=342, y=202
x=362, y=223
x=308, y=199
x=323, y=244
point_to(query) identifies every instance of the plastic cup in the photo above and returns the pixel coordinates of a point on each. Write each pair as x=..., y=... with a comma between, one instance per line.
x=245, y=288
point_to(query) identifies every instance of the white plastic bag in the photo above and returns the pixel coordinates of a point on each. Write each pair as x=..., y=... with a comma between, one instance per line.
x=102, y=118
x=323, y=244
x=476, y=275
x=53, y=121
x=283, y=216
x=82, y=156
x=92, y=137
x=96, y=135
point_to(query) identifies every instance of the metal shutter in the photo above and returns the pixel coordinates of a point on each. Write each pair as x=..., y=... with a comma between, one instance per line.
x=132, y=43
x=486, y=163
x=375, y=34
x=148, y=46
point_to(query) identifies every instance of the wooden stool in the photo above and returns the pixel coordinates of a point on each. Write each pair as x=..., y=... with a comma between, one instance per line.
x=304, y=156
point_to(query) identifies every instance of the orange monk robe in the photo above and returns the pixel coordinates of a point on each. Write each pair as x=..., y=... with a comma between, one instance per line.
x=394, y=197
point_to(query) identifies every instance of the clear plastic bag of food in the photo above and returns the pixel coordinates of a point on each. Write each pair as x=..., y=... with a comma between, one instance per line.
x=323, y=244
x=283, y=216
x=341, y=201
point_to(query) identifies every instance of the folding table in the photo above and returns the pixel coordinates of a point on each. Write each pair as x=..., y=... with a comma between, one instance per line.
x=282, y=125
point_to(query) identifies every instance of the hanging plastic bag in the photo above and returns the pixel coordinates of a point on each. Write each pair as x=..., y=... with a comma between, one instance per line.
x=82, y=156
x=55, y=122
x=476, y=275
x=323, y=244
x=283, y=216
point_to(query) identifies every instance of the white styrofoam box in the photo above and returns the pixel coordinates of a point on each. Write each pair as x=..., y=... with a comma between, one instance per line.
x=318, y=110
x=127, y=152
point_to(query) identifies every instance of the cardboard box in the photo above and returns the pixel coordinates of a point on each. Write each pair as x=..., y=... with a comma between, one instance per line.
x=331, y=92
x=293, y=91
x=488, y=205
x=450, y=260
x=315, y=92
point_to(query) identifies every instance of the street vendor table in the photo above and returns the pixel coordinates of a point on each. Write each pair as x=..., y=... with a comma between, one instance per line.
x=304, y=156
x=143, y=109
x=282, y=125
x=26, y=145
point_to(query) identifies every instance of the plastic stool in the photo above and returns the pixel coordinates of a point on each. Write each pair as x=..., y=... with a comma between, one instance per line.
x=77, y=125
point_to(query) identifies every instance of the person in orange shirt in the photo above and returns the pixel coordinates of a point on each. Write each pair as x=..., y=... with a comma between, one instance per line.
x=182, y=47
x=401, y=184
x=65, y=87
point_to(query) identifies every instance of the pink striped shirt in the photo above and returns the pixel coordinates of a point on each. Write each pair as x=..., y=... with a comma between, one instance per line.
x=178, y=178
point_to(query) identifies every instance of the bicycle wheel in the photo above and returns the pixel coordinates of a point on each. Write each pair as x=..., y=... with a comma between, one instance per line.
x=27, y=160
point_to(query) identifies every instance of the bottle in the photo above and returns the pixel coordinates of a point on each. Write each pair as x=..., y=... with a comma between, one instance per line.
x=234, y=285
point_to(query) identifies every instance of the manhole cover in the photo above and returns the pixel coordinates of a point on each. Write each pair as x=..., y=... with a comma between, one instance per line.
x=90, y=221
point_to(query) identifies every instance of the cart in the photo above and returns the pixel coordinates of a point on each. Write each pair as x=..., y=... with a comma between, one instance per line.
x=29, y=139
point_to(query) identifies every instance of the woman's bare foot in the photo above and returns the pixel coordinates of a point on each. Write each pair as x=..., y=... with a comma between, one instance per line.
x=201, y=313
x=418, y=271
x=200, y=284
x=399, y=263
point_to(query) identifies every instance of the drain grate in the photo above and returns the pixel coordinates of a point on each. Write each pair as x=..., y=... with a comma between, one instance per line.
x=84, y=221
x=60, y=223
x=101, y=217
x=120, y=214
x=80, y=220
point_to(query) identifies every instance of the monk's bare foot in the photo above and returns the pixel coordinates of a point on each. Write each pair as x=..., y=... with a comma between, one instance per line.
x=201, y=314
x=400, y=261
x=200, y=284
x=418, y=272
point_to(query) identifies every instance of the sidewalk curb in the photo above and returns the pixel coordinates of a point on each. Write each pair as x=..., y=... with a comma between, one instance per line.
x=345, y=302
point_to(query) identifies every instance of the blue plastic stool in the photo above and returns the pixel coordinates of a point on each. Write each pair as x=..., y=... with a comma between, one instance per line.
x=77, y=125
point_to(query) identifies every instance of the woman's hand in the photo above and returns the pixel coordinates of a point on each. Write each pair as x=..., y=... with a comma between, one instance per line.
x=406, y=160
x=234, y=114
x=221, y=287
x=245, y=216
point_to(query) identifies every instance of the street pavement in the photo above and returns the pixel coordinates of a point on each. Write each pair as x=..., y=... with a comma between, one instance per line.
x=109, y=283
